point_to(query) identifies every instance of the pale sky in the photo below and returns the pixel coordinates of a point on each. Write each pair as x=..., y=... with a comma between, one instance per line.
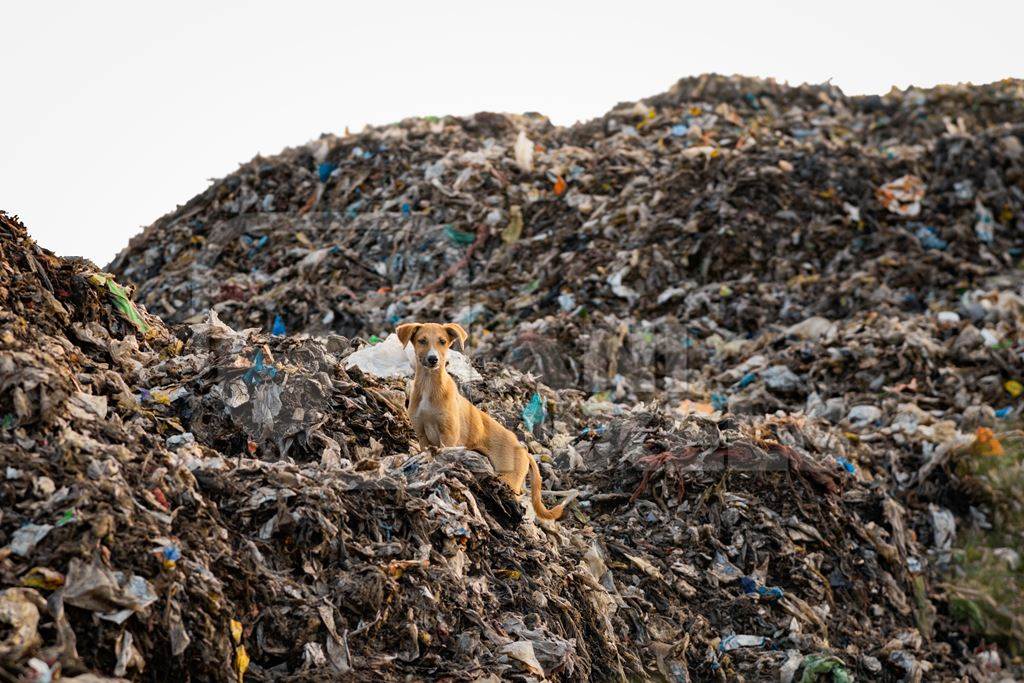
x=116, y=112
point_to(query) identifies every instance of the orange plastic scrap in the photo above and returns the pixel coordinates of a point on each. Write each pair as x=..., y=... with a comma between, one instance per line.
x=986, y=443
x=688, y=407
x=560, y=186
x=902, y=196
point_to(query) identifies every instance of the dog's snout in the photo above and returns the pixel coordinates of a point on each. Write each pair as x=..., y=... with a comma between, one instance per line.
x=431, y=359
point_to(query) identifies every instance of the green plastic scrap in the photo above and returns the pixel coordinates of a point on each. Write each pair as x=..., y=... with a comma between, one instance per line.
x=459, y=236
x=534, y=412
x=121, y=300
x=815, y=665
x=67, y=517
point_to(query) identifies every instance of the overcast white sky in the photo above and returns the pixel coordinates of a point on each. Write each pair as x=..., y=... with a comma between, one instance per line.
x=115, y=112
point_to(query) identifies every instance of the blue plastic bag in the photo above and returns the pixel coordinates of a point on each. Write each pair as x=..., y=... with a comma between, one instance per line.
x=534, y=413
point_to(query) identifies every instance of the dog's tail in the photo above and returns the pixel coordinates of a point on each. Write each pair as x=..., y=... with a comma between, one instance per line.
x=538, y=504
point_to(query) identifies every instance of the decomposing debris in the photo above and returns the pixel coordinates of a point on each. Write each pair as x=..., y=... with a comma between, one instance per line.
x=756, y=328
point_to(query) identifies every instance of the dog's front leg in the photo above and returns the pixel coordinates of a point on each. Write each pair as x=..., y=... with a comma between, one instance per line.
x=421, y=436
x=448, y=434
x=449, y=439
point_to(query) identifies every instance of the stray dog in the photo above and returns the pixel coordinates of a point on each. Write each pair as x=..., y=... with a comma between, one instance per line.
x=442, y=417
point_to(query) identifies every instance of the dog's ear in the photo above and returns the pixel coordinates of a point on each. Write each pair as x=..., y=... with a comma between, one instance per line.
x=455, y=332
x=406, y=331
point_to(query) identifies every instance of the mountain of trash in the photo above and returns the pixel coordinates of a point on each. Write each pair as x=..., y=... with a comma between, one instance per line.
x=757, y=329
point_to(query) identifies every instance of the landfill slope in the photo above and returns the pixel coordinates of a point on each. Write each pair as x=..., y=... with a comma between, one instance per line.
x=191, y=503
x=759, y=329
x=775, y=192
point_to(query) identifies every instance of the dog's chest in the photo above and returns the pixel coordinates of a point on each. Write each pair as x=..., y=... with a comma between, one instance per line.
x=431, y=417
x=426, y=410
x=431, y=412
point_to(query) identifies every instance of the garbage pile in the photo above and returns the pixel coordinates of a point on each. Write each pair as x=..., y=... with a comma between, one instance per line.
x=753, y=328
x=235, y=503
x=208, y=503
x=689, y=203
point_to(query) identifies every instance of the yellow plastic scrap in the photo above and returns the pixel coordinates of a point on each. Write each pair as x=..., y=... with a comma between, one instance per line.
x=241, y=656
x=1014, y=388
x=650, y=116
x=171, y=349
x=43, y=578
x=514, y=228
x=241, y=662
x=161, y=397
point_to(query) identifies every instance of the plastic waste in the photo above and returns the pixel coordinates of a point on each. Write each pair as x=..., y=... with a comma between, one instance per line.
x=121, y=300
x=524, y=152
x=816, y=666
x=672, y=266
x=903, y=195
x=534, y=413
x=390, y=359
x=733, y=642
x=751, y=585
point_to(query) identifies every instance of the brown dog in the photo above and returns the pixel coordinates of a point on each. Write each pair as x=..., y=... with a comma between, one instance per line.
x=442, y=417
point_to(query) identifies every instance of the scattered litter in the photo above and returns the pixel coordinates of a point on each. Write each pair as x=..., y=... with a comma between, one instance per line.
x=831, y=668
x=733, y=642
x=390, y=359
x=902, y=196
x=242, y=502
x=534, y=413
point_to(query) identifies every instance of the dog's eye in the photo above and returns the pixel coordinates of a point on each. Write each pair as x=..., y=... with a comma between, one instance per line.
x=422, y=341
